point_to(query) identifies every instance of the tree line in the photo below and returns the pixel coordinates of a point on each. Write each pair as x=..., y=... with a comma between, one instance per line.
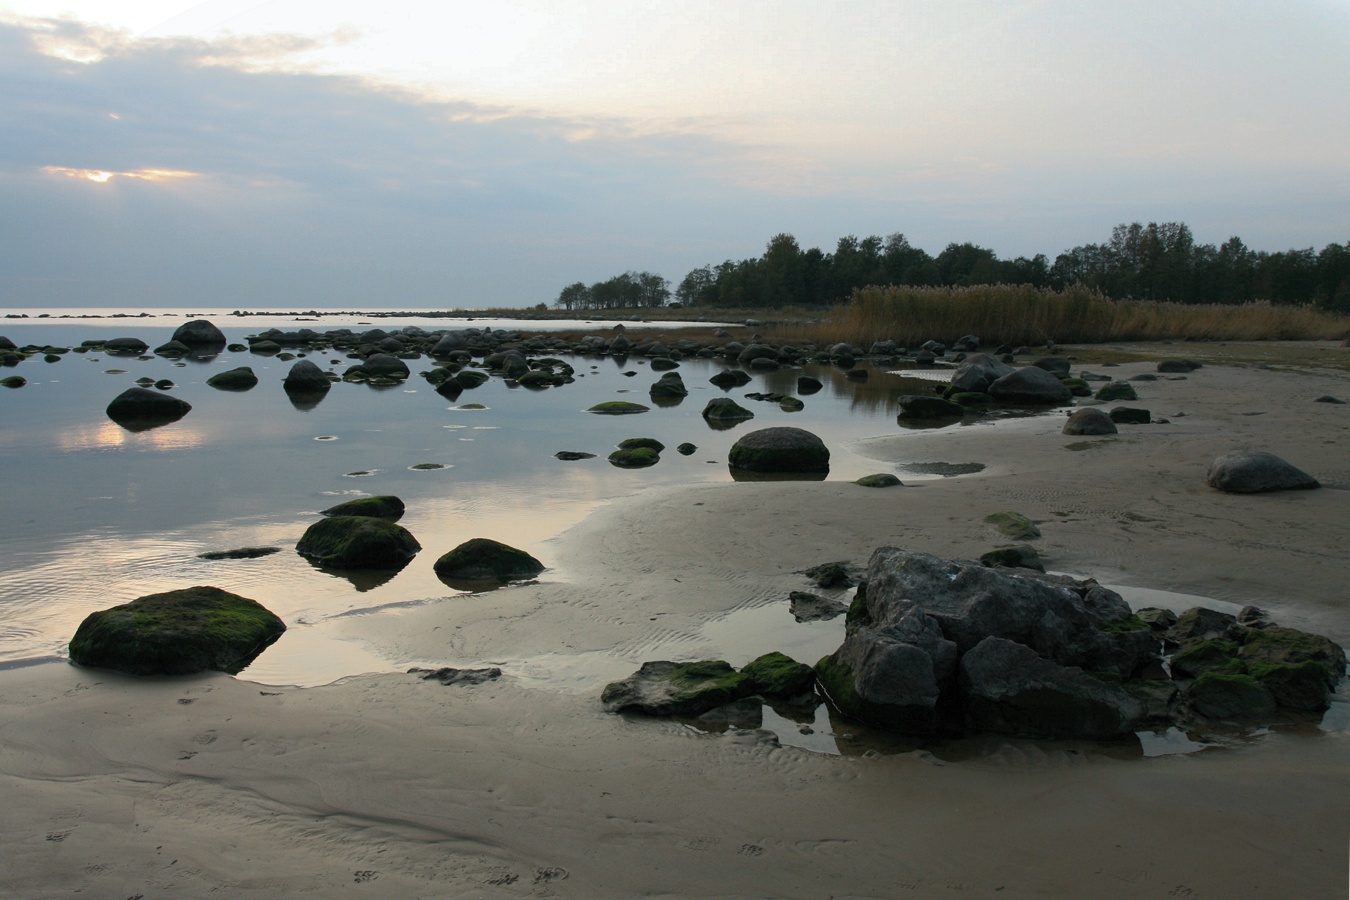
x=1158, y=262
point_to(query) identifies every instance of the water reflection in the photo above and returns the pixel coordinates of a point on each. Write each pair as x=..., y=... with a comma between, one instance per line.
x=109, y=435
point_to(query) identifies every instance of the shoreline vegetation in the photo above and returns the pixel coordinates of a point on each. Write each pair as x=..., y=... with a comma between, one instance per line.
x=996, y=313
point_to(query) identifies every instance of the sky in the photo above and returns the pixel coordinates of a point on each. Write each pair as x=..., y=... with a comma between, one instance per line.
x=295, y=154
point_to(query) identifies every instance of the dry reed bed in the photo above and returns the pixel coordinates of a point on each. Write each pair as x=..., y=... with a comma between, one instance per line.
x=1012, y=314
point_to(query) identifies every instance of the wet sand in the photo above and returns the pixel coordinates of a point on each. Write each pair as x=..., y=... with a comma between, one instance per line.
x=393, y=786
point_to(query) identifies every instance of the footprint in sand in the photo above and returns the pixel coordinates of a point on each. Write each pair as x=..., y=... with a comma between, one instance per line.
x=59, y=836
x=501, y=877
x=549, y=873
x=751, y=850
x=701, y=844
x=365, y=876
x=206, y=737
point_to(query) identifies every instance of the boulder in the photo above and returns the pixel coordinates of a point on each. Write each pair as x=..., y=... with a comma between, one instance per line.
x=1023, y=556
x=1117, y=390
x=1089, y=420
x=1128, y=415
x=306, y=378
x=138, y=408
x=199, y=332
x=724, y=409
x=176, y=633
x=669, y=385
x=731, y=378
x=808, y=385
x=382, y=507
x=383, y=365
x=125, y=346
x=1256, y=471
x=781, y=449
x=918, y=407
x=240, y=379
x=978, y=372
x=879, y=480
x=486, y=560
x=1030, y=385
x=1178, y=365
x=1056, y=365
x=358, y=542
x=1013, y=525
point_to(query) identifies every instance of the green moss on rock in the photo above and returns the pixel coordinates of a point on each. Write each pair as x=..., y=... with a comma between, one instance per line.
x=382, y=507
x=778, y=675
x=177, y=633
x=1014, y=525
x=618, y=408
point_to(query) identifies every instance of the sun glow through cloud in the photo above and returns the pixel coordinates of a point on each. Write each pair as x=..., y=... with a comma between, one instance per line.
x=103, y=176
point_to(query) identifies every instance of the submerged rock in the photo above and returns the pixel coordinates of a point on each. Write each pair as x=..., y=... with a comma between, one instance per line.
x=240, y=379
x=177, y=633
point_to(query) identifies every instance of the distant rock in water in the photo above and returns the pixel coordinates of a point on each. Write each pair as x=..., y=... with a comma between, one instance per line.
x=239, y=553
x=1256, y=471
x=139, y=409
x=483, y=560
x=177, y=633
x=125, y=345
x=358, y=542
x=198, y=332
x=1031, y=385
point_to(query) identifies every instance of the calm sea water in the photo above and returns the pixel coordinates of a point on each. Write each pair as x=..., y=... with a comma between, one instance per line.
x=99, y=515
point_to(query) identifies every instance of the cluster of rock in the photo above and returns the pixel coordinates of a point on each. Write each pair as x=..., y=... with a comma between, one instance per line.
x=939, y=647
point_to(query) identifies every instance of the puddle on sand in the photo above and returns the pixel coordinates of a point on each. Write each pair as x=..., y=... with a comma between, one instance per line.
x=943, y=469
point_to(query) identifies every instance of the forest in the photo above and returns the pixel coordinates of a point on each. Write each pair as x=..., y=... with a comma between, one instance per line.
x=1155, y=262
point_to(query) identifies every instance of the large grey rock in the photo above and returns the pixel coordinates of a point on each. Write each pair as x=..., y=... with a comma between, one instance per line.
x=1256, y=471
x=198, y=332
x=1009, y=688
x=1030, y=385
x=1052, y=615
x=125, y=345
x=979, y=371
x=382, y=365
x=922, y=408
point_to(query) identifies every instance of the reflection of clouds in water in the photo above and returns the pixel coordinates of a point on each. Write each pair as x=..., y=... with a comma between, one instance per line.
x=111, y=436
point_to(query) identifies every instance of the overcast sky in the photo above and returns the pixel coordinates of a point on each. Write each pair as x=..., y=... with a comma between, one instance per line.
x=292, y=153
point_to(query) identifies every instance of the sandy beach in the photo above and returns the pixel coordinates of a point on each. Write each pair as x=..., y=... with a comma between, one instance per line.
x=392, y=786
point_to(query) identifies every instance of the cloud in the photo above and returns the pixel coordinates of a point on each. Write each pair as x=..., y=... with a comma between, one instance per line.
x=1028, y=131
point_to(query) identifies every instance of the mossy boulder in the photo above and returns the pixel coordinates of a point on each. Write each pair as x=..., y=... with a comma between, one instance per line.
x=1277, y=645
x=781, y=449
x=1117, y=390
x=879, y=480
x=382, y=507
x=306, y=378
x=663, y=688
x=1195, y=659
x=14, y=381
x=468, y=379
x=618, y=408
x=240, y=379
x=731, y=378
x=636, y=458
x=724, y=409
x=669, y=385
x=641, y=443
x=199, y=332
x=177, y=633
x=486, y=560
x=1014, y=525
x=358, y=542
x=1023, y=556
